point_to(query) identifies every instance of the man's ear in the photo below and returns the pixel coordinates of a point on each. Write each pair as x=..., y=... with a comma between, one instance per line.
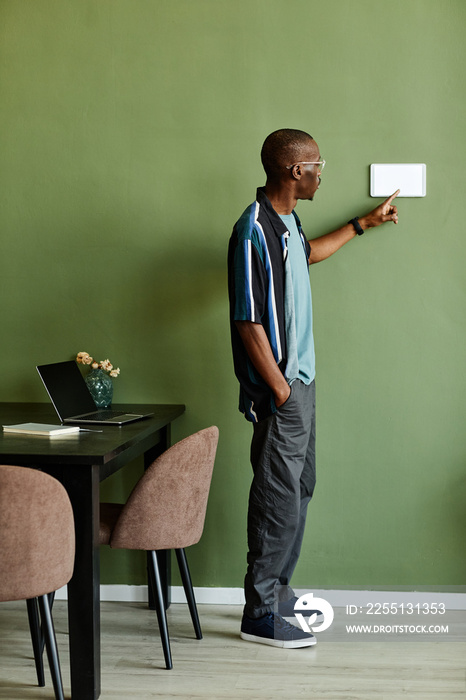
x=296, y=171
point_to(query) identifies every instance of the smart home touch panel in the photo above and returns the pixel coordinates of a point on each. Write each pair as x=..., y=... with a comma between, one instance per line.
x=409, y=178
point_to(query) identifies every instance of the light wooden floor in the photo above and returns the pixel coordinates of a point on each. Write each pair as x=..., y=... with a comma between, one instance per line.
x=223, y=666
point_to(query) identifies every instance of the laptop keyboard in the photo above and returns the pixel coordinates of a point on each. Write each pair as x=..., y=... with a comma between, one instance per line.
x=104, y=415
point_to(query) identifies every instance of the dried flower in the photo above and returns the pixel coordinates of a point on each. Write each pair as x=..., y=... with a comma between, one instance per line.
x=85, y=359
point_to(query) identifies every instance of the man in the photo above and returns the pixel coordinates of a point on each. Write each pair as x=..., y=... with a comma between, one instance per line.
x=273, y=353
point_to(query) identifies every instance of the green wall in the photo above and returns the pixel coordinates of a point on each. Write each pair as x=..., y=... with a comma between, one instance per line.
x=130, y=137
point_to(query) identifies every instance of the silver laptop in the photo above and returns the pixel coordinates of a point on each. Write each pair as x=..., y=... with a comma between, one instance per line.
x=72, y=400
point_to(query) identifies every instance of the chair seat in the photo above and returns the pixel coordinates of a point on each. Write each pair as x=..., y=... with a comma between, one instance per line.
x=109, y=514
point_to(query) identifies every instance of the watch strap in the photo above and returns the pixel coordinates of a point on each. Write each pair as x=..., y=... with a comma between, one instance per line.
x=357, y=226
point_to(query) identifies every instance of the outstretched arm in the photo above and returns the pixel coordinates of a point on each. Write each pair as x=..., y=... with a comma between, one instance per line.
x=324, y=246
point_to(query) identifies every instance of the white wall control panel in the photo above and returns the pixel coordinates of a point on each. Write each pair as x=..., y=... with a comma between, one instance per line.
x=409, y=178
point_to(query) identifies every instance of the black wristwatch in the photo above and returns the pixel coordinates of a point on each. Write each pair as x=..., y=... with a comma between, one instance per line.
x=357, y=226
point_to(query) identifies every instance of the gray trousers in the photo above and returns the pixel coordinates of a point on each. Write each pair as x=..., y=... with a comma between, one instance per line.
x=283, y=462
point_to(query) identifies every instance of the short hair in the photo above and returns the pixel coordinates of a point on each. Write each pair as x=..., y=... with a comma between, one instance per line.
x=281, y=148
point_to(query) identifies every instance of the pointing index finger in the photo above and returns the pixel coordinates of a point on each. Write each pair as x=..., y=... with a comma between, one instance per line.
x=392, y=197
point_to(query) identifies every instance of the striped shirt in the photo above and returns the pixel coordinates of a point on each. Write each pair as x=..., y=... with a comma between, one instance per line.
x=256, y=283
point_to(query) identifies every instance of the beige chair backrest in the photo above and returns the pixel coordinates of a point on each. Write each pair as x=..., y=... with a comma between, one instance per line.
x=37, y=541
x=167, y=507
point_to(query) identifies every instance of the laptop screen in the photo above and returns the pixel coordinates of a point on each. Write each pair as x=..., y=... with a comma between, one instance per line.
x=67, y=389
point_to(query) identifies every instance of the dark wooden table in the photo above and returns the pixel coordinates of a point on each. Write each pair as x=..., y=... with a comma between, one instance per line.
x=80, y=462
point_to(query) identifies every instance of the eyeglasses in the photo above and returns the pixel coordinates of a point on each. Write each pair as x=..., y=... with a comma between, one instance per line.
x=308, y=162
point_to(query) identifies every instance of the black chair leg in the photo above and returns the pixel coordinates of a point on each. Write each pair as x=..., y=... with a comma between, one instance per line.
x=188, y=589
x=156, y=584
x=51, y=646
x=36, y=638
x=51, y=597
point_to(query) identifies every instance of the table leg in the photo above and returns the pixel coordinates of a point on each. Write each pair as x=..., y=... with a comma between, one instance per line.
x=82, y=484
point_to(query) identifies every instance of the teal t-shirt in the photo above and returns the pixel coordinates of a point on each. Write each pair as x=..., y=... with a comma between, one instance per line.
x=302, y=302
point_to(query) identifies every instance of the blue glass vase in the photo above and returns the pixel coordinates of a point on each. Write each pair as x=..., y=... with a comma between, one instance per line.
x=100, y=386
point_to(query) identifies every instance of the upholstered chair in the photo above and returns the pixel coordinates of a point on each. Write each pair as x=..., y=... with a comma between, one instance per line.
x=165, y=511
x=37, y=545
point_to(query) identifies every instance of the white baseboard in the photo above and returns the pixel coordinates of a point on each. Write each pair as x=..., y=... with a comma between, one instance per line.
x=235, y=596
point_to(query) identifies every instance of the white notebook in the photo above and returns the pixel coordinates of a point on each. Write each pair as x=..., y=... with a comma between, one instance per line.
x=41, y=429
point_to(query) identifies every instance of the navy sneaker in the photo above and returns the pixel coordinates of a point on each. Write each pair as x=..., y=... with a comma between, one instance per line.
x=272, y=629
x=286, y=610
